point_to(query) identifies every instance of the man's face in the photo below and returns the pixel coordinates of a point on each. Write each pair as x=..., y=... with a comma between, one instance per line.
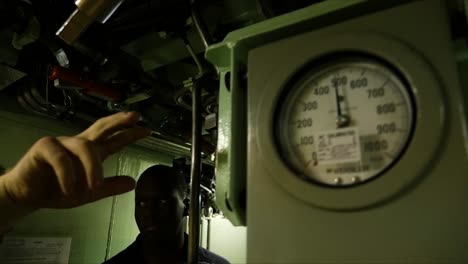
x=159, y=207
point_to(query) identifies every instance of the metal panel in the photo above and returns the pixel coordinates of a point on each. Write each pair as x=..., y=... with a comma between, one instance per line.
x=423, y=221
x=230, y=59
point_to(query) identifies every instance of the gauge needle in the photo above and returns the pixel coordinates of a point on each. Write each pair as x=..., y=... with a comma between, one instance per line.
x=341, y=120
x=338, y=101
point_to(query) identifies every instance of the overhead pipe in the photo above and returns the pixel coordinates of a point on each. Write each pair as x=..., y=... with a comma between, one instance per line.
x=87, y=12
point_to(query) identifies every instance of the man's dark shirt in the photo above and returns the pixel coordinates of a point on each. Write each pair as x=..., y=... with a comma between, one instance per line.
x=134, y=254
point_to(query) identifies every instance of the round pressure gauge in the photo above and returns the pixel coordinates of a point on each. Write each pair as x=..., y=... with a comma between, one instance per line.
x=345, y=122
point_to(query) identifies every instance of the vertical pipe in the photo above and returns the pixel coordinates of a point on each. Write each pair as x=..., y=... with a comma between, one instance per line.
x=208, y=233
x=194, y=220
x=110, y=231
x=202, y=230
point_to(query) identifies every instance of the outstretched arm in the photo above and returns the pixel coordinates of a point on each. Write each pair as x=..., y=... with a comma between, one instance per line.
x=67, y=172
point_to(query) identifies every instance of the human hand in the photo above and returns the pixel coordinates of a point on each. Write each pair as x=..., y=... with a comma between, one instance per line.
x=66, y=172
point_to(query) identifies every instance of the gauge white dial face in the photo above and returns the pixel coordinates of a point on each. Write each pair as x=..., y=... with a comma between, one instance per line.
x=345, y=123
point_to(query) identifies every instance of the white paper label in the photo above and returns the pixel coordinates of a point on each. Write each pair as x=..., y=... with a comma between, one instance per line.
x=37, y=250
x=338, y=146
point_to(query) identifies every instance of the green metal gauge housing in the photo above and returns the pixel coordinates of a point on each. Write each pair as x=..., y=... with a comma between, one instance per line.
x=412, y=208
x=230, y=58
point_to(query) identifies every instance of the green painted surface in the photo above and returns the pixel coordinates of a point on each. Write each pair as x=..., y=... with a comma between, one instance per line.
x=422, y=223
x=462, y=57
x=230, y=57
x=228, y=241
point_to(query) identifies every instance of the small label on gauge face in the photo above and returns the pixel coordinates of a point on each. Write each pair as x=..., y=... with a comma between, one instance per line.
x=338, y=146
